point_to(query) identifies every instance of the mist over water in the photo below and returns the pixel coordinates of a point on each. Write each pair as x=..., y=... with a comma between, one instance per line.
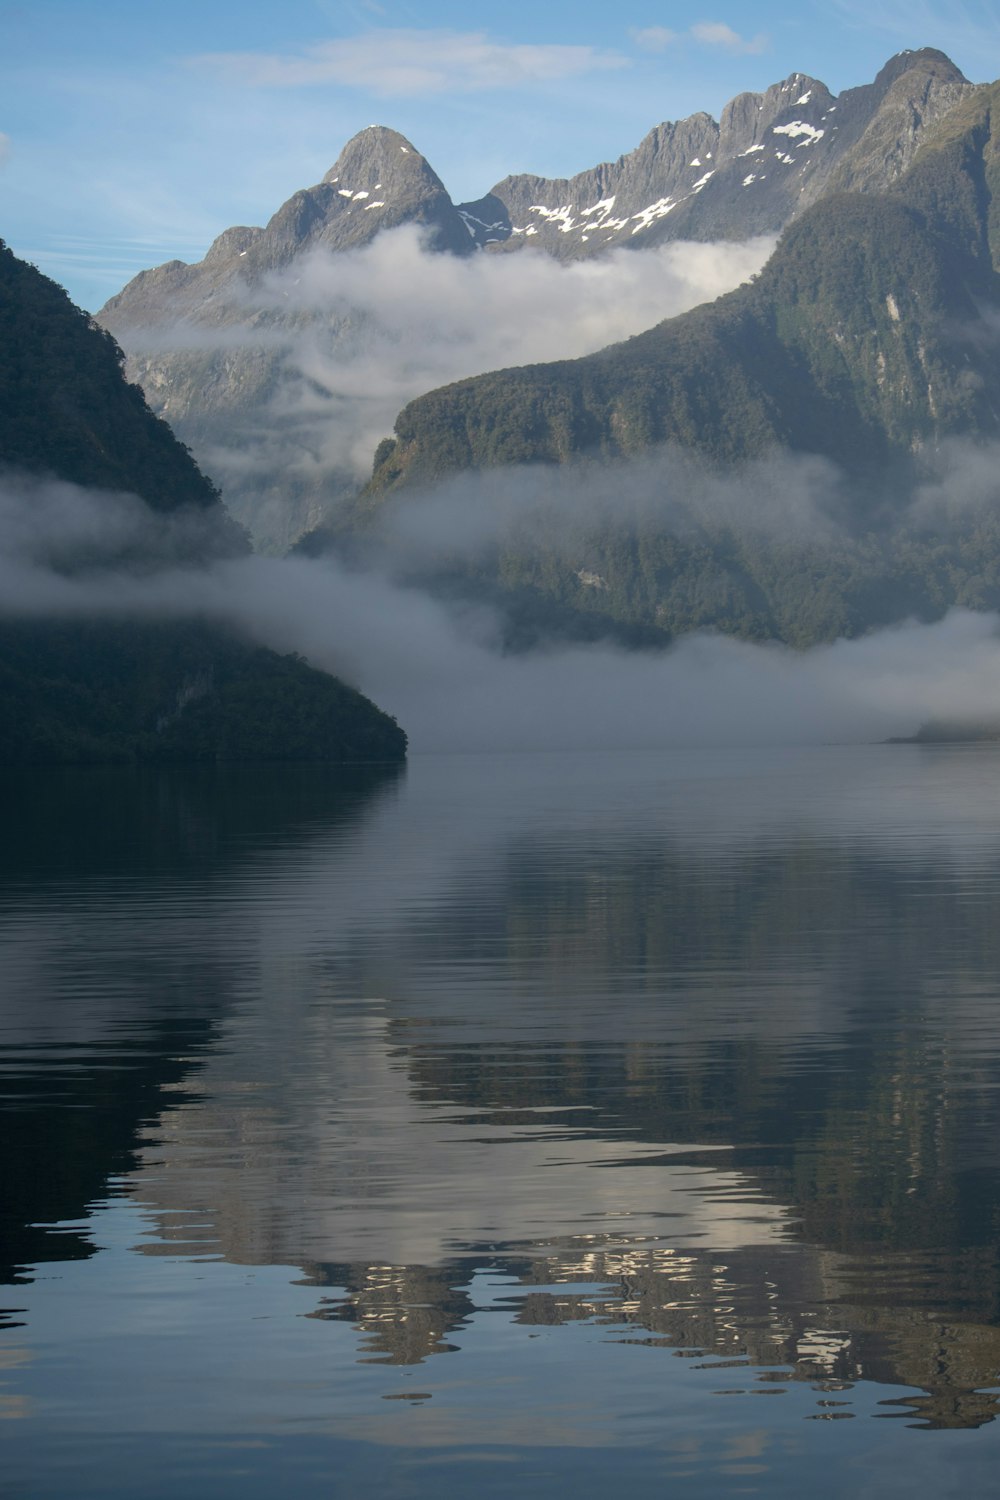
x=440, y=668
x=442, y=673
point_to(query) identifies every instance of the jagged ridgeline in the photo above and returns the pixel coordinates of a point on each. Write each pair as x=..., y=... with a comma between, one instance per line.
x=870, y=339
x=114, y=688
x=767, y=158
x=244, y=352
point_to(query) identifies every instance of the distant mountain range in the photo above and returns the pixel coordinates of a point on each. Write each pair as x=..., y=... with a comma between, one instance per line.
x=224, y=363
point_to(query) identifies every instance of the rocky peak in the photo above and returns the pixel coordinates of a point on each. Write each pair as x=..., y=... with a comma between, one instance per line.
x=232, y=242
x=379, y=180
x=883, y=124
x=747, y=118
x=923, y=59
x=380, y=159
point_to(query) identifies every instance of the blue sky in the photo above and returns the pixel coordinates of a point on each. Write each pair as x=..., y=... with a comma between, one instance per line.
x=132, y=132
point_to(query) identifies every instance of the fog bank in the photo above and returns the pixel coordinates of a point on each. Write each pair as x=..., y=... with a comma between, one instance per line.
x=440, y=671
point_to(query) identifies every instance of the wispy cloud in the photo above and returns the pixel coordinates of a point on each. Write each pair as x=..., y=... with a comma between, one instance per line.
x=705, y=33
x=394, y=63
x=718, y=34
x=653, y=38
x=4, y=149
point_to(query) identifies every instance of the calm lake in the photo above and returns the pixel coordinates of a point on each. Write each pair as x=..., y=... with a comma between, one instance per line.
x=503, y=1124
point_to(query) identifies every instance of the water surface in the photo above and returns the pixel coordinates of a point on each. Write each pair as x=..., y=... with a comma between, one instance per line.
x=503, y=1123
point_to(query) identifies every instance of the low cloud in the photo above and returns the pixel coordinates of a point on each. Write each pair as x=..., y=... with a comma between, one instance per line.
x=68, y=549
x=361, y=333
x=394, y=63
x=423, y=320
x=442, y=676
x=960, y=484
x=794, y=498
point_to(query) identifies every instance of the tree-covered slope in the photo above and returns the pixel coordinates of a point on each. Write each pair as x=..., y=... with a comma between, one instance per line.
x=114, y=688
x=90, y=691
x=65, y=408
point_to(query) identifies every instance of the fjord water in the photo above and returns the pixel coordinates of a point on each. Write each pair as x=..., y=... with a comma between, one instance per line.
x=503, y=1123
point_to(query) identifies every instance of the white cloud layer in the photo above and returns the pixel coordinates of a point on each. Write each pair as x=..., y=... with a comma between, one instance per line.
x=394, y=63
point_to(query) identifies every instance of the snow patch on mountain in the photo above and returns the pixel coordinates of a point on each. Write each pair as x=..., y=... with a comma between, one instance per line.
x=799, y=129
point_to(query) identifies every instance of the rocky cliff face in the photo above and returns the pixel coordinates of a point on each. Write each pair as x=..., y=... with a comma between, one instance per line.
x=769, y=157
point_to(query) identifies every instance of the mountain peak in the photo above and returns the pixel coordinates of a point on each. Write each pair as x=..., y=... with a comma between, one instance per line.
x=379, y=157
x=926, y=58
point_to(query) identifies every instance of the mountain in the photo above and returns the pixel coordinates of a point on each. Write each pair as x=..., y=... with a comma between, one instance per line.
x=378, y=182
x=129, y=499
x=222, y=355
x=65, y=409
x=870, y=340
x=862, y=339
x=767, y=159
x=244, y=352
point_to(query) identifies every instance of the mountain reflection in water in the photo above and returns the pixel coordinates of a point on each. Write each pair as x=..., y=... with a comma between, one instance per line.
x=698, y=1052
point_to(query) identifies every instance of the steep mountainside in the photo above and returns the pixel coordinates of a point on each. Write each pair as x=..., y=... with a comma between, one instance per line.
x=862, y=339
x=870, y=339
x=769, y=157
x=65, y=409
x=119, y=688
x=245, y=368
